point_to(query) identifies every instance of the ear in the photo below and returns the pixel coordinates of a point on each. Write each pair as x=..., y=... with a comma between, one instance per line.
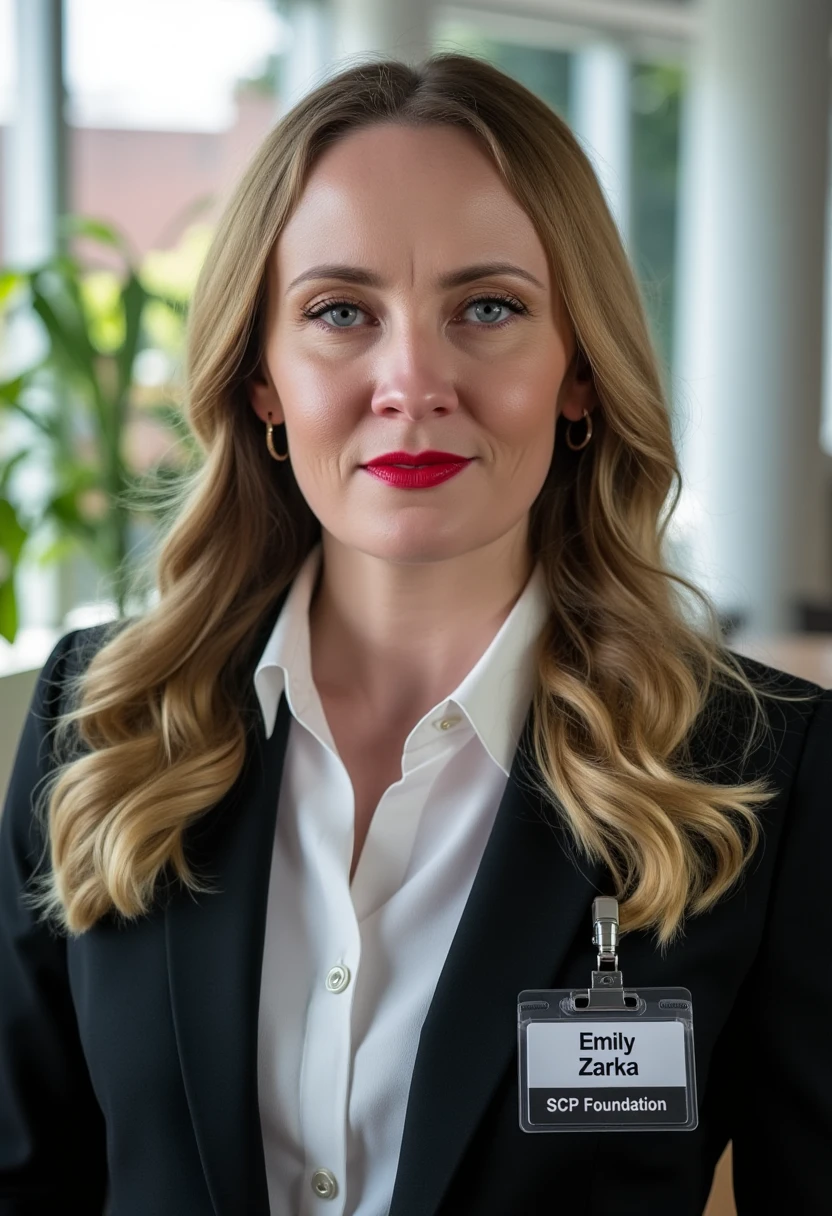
x=577, y=391
x=263, y=397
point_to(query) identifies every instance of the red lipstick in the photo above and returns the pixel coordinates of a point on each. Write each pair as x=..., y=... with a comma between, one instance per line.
x=435, y=468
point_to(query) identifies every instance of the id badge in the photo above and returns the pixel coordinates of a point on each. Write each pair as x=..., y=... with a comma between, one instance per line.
x=606, y=1059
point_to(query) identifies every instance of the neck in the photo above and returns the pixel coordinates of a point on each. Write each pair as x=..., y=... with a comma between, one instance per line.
x=395, y=638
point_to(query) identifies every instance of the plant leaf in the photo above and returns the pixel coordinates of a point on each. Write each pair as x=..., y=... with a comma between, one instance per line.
x=10, y=280
x=12, y=534
x=97, y=230
x=64, y=509
x=180, y=307
x=8, y=610
x=12, y=404
x=9, y=465
x=62, y=547
x=62, y=312
x=10, y=390
x=133, y=298
x=12, y=537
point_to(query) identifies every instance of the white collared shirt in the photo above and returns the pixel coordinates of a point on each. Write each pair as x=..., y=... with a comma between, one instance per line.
x=349, y=969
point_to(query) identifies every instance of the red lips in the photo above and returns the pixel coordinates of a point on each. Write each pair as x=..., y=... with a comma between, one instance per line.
x=427, y=457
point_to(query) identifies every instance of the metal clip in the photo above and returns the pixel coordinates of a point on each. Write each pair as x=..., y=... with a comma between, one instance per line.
x=605, y=931
x=607, y=991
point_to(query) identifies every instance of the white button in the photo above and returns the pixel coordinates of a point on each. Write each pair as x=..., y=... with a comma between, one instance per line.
x=447, y=723
x=338, y=978
x=324, y=1184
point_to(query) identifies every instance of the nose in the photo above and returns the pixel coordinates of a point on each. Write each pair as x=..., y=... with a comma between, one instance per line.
x=412, y=375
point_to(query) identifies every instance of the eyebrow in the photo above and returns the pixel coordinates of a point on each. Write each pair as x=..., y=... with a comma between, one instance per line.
x=454, y=278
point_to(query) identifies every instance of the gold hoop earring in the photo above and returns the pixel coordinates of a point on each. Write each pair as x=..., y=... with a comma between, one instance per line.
x=576, y=447
x=270, y=442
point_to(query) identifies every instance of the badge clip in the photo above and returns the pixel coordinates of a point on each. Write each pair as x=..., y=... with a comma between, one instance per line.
x=602, y=1059
x=607, y=991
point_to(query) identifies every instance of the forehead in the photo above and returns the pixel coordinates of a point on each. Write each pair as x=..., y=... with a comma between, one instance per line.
x=408, y=202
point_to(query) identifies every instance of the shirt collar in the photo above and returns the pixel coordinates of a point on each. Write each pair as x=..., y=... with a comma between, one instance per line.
x=495, y=695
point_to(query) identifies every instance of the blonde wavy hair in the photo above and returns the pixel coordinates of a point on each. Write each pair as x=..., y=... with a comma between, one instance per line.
x=158, y=714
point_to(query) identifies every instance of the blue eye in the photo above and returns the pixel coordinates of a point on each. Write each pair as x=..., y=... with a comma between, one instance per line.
x=341, y=309
x=503, y=302
x=333, y=306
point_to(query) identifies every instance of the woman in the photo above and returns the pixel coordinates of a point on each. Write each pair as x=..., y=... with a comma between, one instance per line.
x=305, y=829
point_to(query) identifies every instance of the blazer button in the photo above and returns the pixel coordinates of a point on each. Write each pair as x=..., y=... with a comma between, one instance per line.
x=338, y=978
x=324, y=1184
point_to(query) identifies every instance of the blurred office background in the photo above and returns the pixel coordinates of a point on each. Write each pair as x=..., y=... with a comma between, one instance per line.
x=708, y=124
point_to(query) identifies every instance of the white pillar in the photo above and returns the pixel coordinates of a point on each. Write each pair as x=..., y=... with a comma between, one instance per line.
x=600, y=115
x=402, y=29
x=325, y=34
x=308, y=57
x=750, y=308
x=826, y=431
x=35, y=188
x=35, y=181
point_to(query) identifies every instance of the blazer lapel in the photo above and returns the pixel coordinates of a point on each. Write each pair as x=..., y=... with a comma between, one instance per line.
x=215, y=954
x=529, y=901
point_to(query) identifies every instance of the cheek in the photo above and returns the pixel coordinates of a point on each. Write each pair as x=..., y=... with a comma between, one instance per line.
x=521, y=410
x=527, y=385
x=316, y=403
x=321, y=426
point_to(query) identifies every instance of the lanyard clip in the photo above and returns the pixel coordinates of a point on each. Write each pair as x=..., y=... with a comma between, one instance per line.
x=607, y=991
x=605, y=932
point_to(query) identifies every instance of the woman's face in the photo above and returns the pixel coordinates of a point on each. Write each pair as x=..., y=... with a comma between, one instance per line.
x=399, y=359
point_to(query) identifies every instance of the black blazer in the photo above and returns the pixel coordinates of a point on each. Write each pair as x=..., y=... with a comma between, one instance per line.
x=128, y=1055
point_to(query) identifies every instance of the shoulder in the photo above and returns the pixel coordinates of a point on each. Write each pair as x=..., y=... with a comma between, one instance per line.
x=81, y=644
x=761, y=674
x=785, y=747
x=66, y=662
x=76, y=647
x=736, y=739
x=37, y=754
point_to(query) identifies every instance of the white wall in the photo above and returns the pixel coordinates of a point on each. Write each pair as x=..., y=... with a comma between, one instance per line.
x=15, y=696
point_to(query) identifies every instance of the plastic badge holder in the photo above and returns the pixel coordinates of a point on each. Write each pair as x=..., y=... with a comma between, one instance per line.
x=604, y=1059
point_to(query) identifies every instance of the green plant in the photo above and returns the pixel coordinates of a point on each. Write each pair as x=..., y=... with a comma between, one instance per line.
x=78, y=402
